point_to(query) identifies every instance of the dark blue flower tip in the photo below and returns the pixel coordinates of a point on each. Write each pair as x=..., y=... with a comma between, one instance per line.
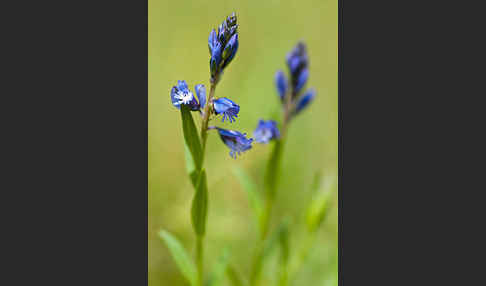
x=298, y=62
x=304, y=100
x=301, y=80
x=227, y=107
x=223, y=46
x=281, y=84
x=201, y=94
x=236, y=141
x=297, y=58
x=180, y=94
x=266, y=131
x=231, y=20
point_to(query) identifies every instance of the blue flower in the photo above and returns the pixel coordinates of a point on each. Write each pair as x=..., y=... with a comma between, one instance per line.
x=180, y=94
x=266, y=131
x=223, y=46
x=281, y=84
x=304, y=100
x=235, y=140
x=227, y=107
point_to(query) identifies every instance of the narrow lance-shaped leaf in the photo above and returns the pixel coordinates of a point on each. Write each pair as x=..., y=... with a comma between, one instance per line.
x=252, y=191
x=318, y=208
x=185, y=264
x=190, y=167
x=200, y=205
x=219, y=269
x=191, y=136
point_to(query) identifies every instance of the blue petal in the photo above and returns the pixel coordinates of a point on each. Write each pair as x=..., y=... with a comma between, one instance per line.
x=182, y=86
x=201, y=94
x=281, y=83
x=230, y=50
x=222, y=32
x=175, y=102
x=212, y=40
x=297, y=59
x=301, y=80
x=305, y=100
x=215, y=58
x=293, y=63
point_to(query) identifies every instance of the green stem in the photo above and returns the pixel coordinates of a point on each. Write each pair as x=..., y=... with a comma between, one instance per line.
x=204, y=136
x=199, y=260
x=205, y=120
x=273, y=169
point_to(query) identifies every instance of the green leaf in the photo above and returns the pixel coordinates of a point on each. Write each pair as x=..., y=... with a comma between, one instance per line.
x=190, y=167
x=271, y=175
x=200, y=205
x=194, y=175
x=191, y=136
x=185, y=264
x=219, y=269
x=234, y=277
x=318, y=208
x=251, y=189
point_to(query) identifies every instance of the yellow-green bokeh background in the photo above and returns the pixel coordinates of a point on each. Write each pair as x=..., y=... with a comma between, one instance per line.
x=177, y=49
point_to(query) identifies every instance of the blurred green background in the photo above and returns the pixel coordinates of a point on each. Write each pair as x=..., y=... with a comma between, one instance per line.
x=178, y=49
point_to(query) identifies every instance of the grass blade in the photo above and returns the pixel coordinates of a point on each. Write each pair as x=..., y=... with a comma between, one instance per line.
x=178, y=252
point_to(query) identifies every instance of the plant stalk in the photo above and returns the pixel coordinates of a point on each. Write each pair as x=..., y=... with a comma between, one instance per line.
x=199, y=260
x=204, y=136
x=270, y=193
x=205, y=120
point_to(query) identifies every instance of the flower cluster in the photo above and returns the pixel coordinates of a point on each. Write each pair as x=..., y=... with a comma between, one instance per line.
x=222, y=46
x=298, y=64
x=290, y=92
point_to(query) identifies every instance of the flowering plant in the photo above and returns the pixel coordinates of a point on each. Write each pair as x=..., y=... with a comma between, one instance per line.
x=223, y=46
